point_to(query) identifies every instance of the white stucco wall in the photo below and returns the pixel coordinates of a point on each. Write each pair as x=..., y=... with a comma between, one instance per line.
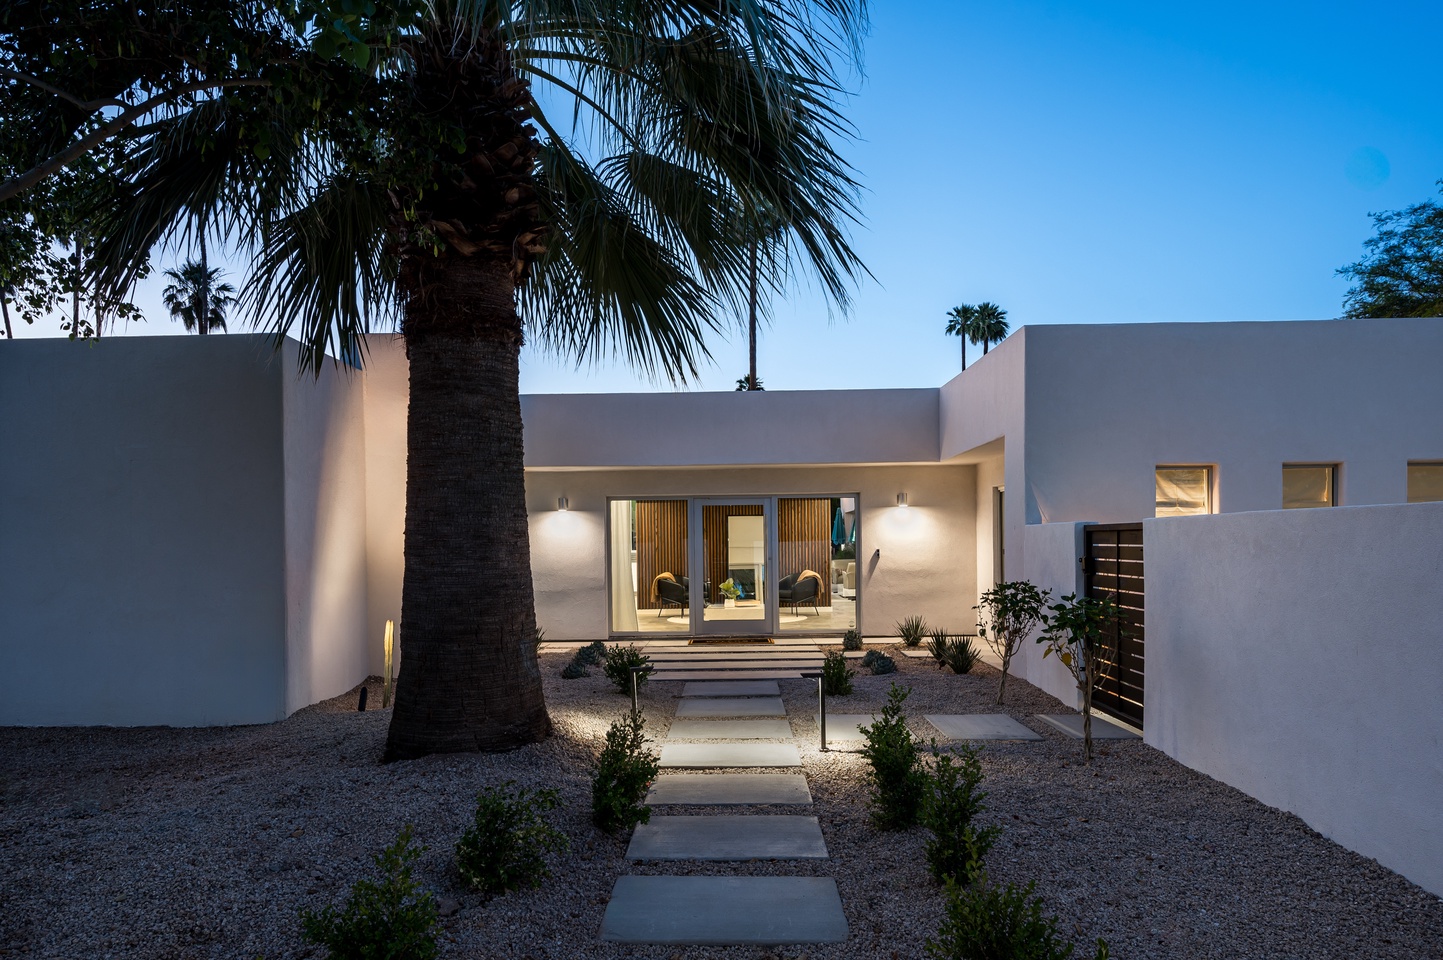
x=928, y=555
x=142, y=532
x=1295, y=655
x=1052, y=551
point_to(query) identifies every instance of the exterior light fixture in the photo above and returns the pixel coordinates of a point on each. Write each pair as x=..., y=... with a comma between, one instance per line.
x=563, y=504
x=901, y=499
x=390, y=648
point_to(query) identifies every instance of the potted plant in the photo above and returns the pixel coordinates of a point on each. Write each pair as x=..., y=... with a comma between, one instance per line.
x=730, y=591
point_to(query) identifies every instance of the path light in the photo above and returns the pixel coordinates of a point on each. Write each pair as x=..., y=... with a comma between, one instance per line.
x=901, y=499
x=563, y=504
x=390, y=646
x=821, y=705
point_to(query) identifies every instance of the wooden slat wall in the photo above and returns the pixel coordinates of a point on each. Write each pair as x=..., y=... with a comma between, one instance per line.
x=1115, y=568
x=804, y=534
x=714, y=530
x=660, y=544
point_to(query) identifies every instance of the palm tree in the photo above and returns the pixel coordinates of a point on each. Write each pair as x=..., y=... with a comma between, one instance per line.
x=433, y=186
x=196, y=297
x=988, y=326
x=7, y=290
x=960, y=324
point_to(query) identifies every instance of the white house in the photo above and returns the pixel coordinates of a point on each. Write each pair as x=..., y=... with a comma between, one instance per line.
x=193, y=532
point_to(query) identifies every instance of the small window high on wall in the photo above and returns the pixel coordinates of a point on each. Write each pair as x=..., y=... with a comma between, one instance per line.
x=1183, y=491
x=1310, y=485
x=1425, y=481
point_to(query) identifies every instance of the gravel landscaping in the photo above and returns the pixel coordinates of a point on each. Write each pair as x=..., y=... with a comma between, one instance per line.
x=165, y=843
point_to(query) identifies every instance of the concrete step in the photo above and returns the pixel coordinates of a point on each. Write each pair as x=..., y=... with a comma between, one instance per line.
x=1071, y=724
x=703, y=756
x=729, y=730
x=740, y=674
x=732, y=688
x=728, y=789
x=981, y=726
x=724, y=911
x=730, y=707
x=845, y=726
x=728, y=837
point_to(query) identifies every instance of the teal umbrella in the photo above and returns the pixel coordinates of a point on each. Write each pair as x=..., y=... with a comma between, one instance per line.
x=839, y=530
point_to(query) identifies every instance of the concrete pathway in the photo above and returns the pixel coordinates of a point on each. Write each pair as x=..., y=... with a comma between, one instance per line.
x=845, y=726
x=730, y=837
x=702, y=756
x=981, y=726
x=1071, y=724
x=729, y=730
x=730, y=707
x=720, y=911
x=729, y=789
x=732, y=688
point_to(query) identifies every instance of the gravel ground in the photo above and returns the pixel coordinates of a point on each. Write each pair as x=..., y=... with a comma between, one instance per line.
x=164, y=843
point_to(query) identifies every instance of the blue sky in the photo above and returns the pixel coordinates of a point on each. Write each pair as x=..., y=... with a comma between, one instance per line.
x=1093, y=163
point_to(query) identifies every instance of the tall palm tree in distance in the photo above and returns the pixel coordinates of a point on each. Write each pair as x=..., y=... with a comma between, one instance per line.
x=424, y=181
x=959, y=324
x=197, y=298
x=988, y=325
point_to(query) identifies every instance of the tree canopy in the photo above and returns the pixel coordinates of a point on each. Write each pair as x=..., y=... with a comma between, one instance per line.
x=1401, y=275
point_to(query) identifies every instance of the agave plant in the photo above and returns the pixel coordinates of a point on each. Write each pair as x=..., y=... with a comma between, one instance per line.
x=912, y=630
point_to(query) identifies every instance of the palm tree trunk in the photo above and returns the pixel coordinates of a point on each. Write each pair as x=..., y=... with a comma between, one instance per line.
x=984, y=347
x=752, y=324
x=469, y=675
x=202, y=316
x=5, y=309
x=963, y=338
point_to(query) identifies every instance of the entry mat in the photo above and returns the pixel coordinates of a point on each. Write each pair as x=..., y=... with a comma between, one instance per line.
x=728, y=641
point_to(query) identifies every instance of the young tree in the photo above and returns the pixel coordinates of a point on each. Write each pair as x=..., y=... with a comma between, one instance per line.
x=414, y=174
x=1402, y=273
x=960, y=323
x=988, y=326
x=1007, y=615
x=1074, y=631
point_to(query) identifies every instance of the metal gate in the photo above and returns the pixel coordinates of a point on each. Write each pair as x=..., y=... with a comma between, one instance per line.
x=1112, y=566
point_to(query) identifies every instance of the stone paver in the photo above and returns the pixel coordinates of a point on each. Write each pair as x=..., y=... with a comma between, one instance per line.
x=719, y=911
x=729, y=730
x=727, y=789
x=732, y=688
x=845, y=726
x=704, y=755
x=739, y=707
x=981, y=726
x=1071, y=724
x=731, y=837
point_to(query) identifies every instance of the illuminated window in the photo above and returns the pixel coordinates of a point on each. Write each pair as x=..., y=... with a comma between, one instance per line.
x=1310, y=485
x=1183, y=491
x=1425, y=481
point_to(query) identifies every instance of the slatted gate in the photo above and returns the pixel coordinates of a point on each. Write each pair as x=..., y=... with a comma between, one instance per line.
x=1112, y=565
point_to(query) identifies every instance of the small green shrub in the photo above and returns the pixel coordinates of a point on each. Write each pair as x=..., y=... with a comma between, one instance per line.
x=882, y=664
x=911, y=631
x=505, y=848
x=836, y=678
x=986, y=922
x=620, y=660
x=574, y=670
x=950, y=806
x=540, y=638
x=961, y=654
x=937, y=646
x=623, y=772
x=592, y=654
x=897, y=777
x=390, y=919
x=852, y=640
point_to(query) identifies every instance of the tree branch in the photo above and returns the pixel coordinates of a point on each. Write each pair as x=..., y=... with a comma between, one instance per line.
x=88, y=105
x=18, y=185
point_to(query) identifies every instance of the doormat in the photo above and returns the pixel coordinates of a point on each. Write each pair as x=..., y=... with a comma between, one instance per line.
x=730, y=641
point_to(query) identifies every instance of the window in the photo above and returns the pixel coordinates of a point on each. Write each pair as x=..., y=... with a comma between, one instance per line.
x=1310, y=485
x=1425, y=481
x=1183, y=491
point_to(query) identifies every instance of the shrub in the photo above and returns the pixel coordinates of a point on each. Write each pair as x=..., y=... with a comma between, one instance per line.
x=623, y=772
x=390, y=919
x=961, y=654
x=540, y=638
x=986, y=922
x=852, y=640
x=505, y=848
x=950, y=806
x=912, y=630
x=836, y=678
x=937, y=646
x=620, y=660
x=591, y=655
x=574, y=670
x=897, y=777
x=882, y=664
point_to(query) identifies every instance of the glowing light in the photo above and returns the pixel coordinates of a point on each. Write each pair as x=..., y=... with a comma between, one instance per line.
x=563, y=504
x=901, y=499
x=390, y=646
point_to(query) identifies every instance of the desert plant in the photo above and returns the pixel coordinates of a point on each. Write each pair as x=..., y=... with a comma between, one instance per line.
x=881, y=664
x=390, y=919
x=623, y=772
x=591, y=654
x=620, y=660
x=986, y=922
x=897, y=777
x=1074, y=631
x=937, y=646
x=836, y=677
x=575, y=670
x=961, y=654
x=950, y=806
x=540, y=638
x=912, y=630
x=852, y=640
x=505, y=847
x=1006, y=615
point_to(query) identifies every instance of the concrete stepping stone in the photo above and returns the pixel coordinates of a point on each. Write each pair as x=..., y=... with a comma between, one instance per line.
x=714, y=666
x=727, y=675
x=704, y=755
x=728, y=837
x=845, y=726
x=727, y=789
x=724, y=911
x=1071, y=724
x=732, y=688
x=981, y=726
x=738, y=707
x=729, y=730
x=917, y=654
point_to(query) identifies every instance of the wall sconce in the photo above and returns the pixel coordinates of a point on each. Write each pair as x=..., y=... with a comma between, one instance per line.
x=901, y=499
x=563, y=504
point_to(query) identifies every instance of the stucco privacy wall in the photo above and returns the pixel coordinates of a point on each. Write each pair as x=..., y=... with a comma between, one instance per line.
x=142, y=531
x=928, y=554
x=1052, y=552
x=1106, y=404
x=1318, y=629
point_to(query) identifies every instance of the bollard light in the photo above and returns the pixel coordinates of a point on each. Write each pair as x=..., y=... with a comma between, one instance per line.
x=390, y=648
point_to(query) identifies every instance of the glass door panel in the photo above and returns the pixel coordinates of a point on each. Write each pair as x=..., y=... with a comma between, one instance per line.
x=817, y=557
x=737, y=595
x=650, y=583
